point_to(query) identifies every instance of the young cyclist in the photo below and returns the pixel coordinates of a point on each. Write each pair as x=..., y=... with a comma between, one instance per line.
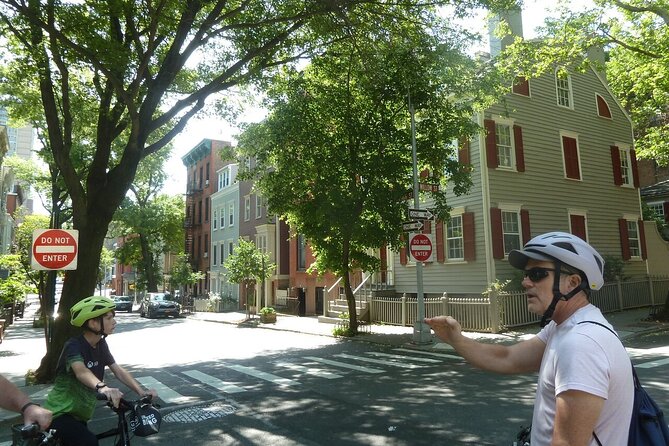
x=80, y=373
x=585, y=389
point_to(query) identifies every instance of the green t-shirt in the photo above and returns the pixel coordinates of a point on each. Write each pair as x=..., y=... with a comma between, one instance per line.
x=69, y=395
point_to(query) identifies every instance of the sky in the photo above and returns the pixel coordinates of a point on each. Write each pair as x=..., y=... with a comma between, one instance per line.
x=534, y=13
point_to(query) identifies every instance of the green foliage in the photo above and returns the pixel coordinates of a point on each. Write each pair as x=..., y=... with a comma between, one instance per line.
x=247, y=264
x=182, y=273
x=496, y=287
x=267, y=310
x=650, y=215
x=613, y=269
x=15, y=287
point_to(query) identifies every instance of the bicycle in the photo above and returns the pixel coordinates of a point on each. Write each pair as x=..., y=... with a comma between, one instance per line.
x=32, y=435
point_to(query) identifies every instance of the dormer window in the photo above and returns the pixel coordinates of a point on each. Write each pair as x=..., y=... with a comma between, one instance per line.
x=603, y=109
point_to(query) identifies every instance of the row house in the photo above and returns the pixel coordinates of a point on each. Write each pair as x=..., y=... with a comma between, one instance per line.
x=557, y=154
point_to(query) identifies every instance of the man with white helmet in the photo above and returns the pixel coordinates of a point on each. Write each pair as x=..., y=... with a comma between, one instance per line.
x=80, y=372
x=585, y=387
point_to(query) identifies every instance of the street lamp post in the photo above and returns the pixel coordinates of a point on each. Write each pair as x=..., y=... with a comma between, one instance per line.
x=421, y=331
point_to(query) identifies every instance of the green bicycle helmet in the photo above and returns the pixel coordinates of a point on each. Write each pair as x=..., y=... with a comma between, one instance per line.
x=90, y=308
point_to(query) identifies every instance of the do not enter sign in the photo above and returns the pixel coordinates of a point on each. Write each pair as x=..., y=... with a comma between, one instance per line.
x=420, y=247
x=55, y=249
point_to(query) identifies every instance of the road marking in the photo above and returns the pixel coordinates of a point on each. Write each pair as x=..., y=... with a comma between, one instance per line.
x=405, y=357
x=321, y=373
x=345, y=365
x=264, y=376
x=164, y=393
x=214, y=382
x=422, y=352
x=380, y=361
x=650, y=364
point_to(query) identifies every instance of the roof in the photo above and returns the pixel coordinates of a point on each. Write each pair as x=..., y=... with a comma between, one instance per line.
x=657, y=190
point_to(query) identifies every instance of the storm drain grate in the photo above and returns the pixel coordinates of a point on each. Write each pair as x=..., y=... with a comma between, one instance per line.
x=200, y=413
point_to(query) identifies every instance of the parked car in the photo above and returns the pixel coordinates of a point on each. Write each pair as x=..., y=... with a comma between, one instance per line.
x=123, y=303
x=159, y=304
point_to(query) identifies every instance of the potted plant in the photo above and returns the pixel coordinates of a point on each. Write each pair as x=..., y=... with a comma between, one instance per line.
x=267, y=315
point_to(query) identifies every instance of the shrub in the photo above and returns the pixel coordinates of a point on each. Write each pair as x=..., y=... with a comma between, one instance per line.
x=267, y=310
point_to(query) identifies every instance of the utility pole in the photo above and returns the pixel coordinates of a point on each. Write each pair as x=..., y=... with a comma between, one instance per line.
x=421, y=331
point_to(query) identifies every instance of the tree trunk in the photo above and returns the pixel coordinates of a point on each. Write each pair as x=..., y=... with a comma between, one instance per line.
x=78, y=284
x=348, y=291
x=147, y=264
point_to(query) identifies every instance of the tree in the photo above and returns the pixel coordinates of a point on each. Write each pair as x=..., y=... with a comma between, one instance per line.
x=108, y=83
x=23, y=241
x=334, y=156
x=106, y=261
x=248, y=265
x=15, y=286
x=150, y=223
x=182, y=273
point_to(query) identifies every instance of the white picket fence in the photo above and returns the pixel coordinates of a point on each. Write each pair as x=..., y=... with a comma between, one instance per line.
x=499, y=311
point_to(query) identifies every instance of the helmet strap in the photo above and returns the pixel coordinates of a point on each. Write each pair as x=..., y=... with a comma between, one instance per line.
x=557, y=295
x=100, y=332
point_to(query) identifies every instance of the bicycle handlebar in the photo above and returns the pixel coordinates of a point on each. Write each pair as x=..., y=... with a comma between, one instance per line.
x=125, y=404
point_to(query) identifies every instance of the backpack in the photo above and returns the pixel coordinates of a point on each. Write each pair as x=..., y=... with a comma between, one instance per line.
x=647, y=426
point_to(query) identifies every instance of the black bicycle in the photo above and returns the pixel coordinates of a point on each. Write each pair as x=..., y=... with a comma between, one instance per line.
x=32, y=435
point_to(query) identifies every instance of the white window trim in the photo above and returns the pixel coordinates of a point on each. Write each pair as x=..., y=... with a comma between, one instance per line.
x=247, y=207
x=635, y=219
x=259, y=206
x=623, y=147
x=455, y=213
x=557, y=94
x=597, y=95
x=215, y=221
x=512, y=136
x=515, y=208
x=580, y=213
x=572, y=135
x=231, y=214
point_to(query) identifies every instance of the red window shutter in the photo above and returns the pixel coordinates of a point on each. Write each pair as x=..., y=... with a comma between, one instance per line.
x=665, y=206
x=439, y=234
x=520, y=153
x=578, y=226
x=468, y=236
x=624, y=239
x=521, y=85
x=427, y=227
x=615, y=163
x=491, y=144
x=642, y=240
x=603, y=107
x=635, y=168
x=403, y=255
x=525, y=223
x=570, y=150
x=463, y=152
x=424, y=173
x=497, y=235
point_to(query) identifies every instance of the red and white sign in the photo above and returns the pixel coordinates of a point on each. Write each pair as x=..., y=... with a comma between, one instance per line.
x=55, y=249
x=420, y=247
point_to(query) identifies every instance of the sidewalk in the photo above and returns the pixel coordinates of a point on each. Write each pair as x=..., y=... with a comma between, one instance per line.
x=627, y=324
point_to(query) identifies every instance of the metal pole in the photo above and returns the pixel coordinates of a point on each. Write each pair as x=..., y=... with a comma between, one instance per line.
x=421, y=331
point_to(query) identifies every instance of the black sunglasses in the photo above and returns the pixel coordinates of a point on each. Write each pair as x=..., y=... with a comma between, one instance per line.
x=537, y=274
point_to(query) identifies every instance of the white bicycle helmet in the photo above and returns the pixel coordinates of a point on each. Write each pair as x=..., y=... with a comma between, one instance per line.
x=567, y=248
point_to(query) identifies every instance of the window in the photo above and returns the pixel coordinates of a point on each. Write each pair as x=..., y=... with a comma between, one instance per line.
x=222, y=217
x=632, y=238
x=510, y=231
x=658, y=209
x=455, y=245
x=259, y=205
x=503, y=141
x=504, y=145
x=214, y=257
x=301, y=253
x=231, y=214
x=199, y=211
x=247, y=208
x=206, y=209
x=570, y=152
x=222, y=253
x=603, y=109
x=563, y=88
x=224, y=178
x=261, y=243
x=521, y=86
x=231, y=247
x=206, y=245
x=625, y=168
x=215, y=220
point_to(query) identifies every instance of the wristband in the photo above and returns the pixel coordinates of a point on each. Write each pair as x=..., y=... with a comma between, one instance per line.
x=27, y=405
x=100, y=385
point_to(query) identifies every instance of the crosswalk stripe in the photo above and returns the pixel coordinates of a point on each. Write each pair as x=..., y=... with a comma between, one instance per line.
x=404, y=357
x=422, y=352
x=651, y=364
x=214, y=382
x=379, y=361
x=344, y=365
x=164, y=393
x=309, y=370
x=264, y=376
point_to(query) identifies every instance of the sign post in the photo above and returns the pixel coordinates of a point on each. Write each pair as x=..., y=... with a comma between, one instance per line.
x=55, y=249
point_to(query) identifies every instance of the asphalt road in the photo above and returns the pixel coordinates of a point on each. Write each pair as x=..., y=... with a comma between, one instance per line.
x=224, y=385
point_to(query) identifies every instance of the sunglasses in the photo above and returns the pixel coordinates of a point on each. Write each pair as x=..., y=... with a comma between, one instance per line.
x=537, y=274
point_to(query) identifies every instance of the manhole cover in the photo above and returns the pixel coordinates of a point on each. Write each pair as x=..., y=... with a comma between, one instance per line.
x=200, y=413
